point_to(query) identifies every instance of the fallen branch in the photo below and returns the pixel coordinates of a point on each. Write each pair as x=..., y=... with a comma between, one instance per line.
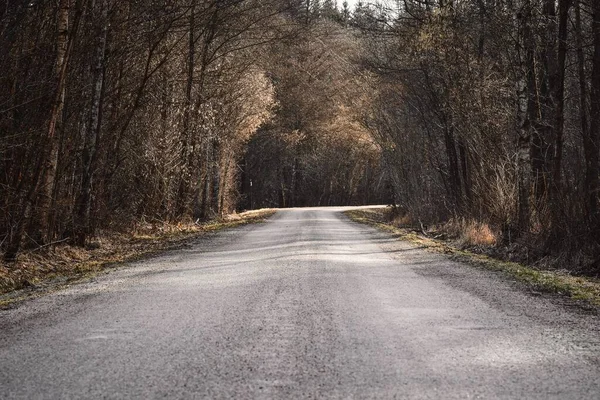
x=48, y=244
x=423, y=228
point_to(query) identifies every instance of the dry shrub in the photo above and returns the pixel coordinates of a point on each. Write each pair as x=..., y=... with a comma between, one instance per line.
x=400, y=218
x=61, y=262
x=158, y=229
x=471, y=233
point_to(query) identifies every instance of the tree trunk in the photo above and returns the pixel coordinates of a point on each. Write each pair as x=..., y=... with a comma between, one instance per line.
x=463, y=153
x=207, y=193
x=453, y=167
x=527, y=115
x=563, y=18
x=44, y=169
x=49, y=175
x=592, y=144
x=590, y=205
x=82, y=215
x=583, y=89
x=224, y=187
x=542, y=144
x=559, y=110
x=184, y=179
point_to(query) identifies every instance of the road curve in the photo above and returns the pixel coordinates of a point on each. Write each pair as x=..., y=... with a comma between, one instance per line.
x=307, y=305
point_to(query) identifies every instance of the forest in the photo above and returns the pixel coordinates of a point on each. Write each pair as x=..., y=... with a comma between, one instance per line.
x=465, y=114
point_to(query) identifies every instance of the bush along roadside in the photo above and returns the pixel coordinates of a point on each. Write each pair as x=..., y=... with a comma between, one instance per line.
x=586, y=290
x=45, y=268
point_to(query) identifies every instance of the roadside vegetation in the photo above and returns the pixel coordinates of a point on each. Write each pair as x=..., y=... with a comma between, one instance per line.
x=474, y=244
x=41, y=268
x=479, y=117
x=116, y=113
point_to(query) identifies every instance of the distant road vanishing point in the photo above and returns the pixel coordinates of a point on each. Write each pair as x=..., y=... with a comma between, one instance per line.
x=306, y=305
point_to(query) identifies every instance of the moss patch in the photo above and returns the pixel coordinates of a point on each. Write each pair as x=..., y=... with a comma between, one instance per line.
x=578, y=288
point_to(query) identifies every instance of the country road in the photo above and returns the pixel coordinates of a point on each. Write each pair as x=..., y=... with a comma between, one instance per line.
x=306, y=305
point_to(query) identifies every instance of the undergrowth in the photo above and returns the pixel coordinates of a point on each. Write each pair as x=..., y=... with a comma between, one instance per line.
x=62, y=263
x=472, y=243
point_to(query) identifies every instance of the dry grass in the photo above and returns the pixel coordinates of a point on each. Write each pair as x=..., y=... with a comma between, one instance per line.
x=63, y=263
x=584, y=289
x=470, y=233
x=402, y=220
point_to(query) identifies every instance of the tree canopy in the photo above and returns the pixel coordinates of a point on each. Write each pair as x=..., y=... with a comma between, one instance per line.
x=190, y=109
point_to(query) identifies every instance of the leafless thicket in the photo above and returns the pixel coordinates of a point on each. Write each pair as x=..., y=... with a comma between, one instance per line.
x=110, y=111
x=480, y=111
x=315, y=151
x=114, y=111
x=490, y=110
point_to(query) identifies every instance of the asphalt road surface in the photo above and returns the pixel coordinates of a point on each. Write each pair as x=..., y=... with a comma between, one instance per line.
x=307, y=305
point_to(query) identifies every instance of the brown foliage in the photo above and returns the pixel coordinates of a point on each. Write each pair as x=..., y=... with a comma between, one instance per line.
x=483, y=114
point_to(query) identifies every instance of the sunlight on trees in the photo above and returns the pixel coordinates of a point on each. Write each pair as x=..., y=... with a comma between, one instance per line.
x=486, y=111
